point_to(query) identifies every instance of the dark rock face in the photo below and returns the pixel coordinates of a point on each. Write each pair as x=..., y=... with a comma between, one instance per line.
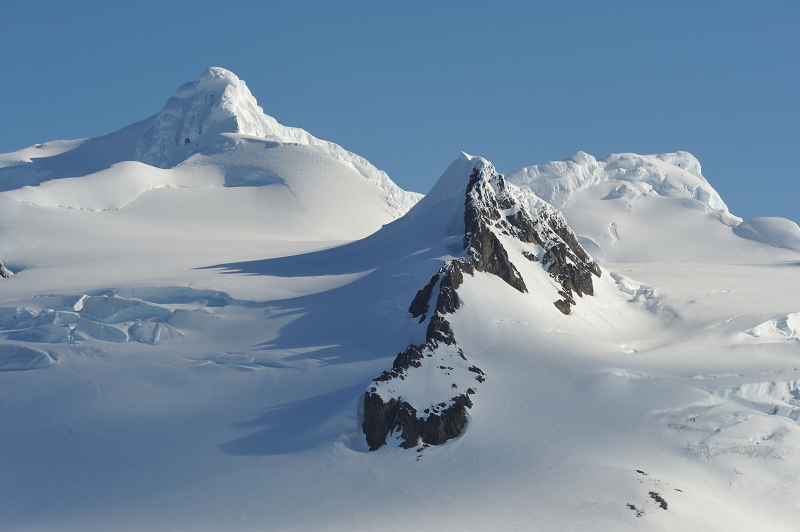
x=419, y=307
x=492, y=212
x=440, y=422
x=4, y=273
x=381, y=418
x=487, y=253
x=564, y=258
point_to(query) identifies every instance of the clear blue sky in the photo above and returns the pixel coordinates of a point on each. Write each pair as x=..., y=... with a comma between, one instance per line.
x=408, y=85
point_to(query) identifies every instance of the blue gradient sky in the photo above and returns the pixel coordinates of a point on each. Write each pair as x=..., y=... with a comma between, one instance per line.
x=409, y=85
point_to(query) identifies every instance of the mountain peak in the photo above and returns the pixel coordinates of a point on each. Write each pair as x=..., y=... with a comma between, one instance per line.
x=423, y=399
x=214, y=74
x=220, y=103
x=582, y=158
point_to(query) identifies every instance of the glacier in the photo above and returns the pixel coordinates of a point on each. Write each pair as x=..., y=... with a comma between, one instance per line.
x=193, y=332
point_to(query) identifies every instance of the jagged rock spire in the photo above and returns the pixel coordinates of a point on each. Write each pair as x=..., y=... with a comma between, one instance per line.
x=496, y=215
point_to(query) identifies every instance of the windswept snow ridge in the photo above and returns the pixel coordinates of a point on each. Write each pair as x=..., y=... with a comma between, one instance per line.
x=219, y=102
x=424, y=397
x=672, y=175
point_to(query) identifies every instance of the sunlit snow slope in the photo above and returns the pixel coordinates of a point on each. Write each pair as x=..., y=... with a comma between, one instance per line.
x=629, y=207
x=190, y=342
x=130, y=207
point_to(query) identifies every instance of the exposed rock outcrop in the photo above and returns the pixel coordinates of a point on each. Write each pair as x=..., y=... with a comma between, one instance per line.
x=5, y=273
x=424, y=398
x=494, y=209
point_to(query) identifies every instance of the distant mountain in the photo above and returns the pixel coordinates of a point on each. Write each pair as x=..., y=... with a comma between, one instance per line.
x=208, y=117
x=218, y=103
x=671, y=175
x=628, y=207
x=242, y=185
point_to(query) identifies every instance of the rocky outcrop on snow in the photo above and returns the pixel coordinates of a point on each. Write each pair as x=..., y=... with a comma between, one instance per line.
x=495, y=210
x=423, y=399
x=220, y=103
x=672, y=175
x=448, y=379
x=5, y=273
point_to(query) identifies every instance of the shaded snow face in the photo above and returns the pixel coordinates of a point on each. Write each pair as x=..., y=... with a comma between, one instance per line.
x=671, y=175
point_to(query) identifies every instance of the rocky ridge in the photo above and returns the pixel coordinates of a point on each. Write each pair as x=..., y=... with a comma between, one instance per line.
x=424, y=397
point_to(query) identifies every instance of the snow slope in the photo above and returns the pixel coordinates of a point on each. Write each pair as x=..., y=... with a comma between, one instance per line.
x=203, y=117
x=75, y=212
x=196, y=355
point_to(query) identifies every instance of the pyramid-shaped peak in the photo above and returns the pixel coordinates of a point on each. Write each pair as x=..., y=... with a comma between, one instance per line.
x=205, y=112
x=199, y=111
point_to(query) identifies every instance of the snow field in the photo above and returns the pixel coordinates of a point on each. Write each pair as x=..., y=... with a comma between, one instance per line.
x=187, y=347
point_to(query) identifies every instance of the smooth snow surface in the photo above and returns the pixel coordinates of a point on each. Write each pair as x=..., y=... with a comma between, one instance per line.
x=778, y=232
x=187, y=348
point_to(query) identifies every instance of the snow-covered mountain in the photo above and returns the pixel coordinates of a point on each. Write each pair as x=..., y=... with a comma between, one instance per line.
x=210, y=116
x=422, y=401
x=246, y=187
x=630, y=208
x=245, y=332
x=200, y=113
